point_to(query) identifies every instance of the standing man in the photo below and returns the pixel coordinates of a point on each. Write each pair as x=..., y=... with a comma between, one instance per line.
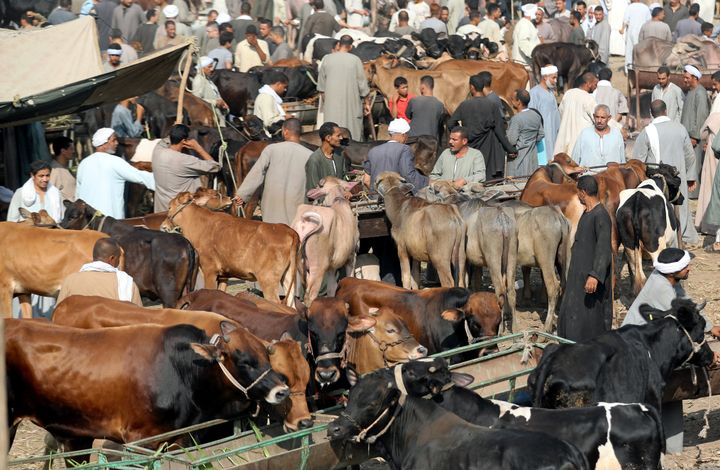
x=395, y=156
x=60, y=176
x=600, y=144
x=609, y=96
x=343, y=85
x=175, y=171
x=434, y=21
x=525, y=36
x=281, y=171
x=695, y=111
x=544, y=30
x=251, y=52
x=397, y=105
x=489, y=28
x=577, y=35
x=403, y=27
x=127, y=17
x=321, y=22
x=101, y=176
x=403, y=6
x=459, y=164
x=282, y=49
x=426, y=113
x=147, y=31
x=327, y=160
x=675, y=12
x=62, y=13
x=102, y=277
x=206, y=90
x=268, y=104
x=666, y=141
x=472, y=26
x=576, y=111
x=600, y=33
x=716, y=88
x=222, y=53
x=525, y=133
x=542, y=98
x=456, y=10
x=241, y=23
x=122, y=120
x=656, y=27
x=636, y=15
x=586, y=309
x=689, y=25
x=670, y=93
x=486, y=127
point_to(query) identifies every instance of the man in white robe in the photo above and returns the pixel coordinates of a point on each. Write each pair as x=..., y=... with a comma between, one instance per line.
x=576, y=111
x=542, y=98
x=636, y=15
x=525, y=36
x=613, y=98
x=667, y=141
x=670, y=93
x=101, y=176
x=716, y=87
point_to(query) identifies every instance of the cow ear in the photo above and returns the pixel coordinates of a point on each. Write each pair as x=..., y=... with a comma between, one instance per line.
x=453, y=315
x=67, y=203
x=650, y=313
x=271, y=349
x=407, y=187
x=360, y=324
x=460, y=379
x=26, y=214
x=373, y=311
x=286, y=337
x=206, y=351
x=226, y=327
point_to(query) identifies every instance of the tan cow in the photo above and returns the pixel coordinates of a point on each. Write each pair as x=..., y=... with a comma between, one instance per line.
x=235, y=247
x=329, y=236
x=36, y=260
x=37, y=219
x=285, y=356
x=423, y=231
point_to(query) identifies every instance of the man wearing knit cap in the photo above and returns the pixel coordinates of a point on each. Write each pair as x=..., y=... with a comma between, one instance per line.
x=695, y=111
x=101, y=176
x=542, y=98
x=525, y=35
x=395, y=156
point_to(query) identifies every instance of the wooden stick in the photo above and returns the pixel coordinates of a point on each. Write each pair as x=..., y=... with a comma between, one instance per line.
x=183, y=84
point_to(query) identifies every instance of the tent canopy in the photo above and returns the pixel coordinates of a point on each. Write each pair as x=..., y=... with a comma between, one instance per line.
x=57, y=70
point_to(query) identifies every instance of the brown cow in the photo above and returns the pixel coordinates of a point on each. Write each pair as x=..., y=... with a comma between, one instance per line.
x=423, y=231
x=285, y=356
x=507, y=76
x=481, y=314
x=35, y=260
x=231, y=246
x=132, y=382
x=329, y=236
x=203, y=197
x=37, y=219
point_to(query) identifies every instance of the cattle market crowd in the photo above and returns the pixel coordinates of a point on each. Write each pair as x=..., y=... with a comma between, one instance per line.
x=375, y=182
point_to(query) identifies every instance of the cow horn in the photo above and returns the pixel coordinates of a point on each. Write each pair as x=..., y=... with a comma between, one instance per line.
x=701, y=307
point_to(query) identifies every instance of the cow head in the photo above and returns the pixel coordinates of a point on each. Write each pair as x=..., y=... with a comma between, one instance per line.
x=388, y=180
x=684, y=316
x=440, y=190
x=428, y=38
x=288, y=360
x=324, y=323
x=175, y=208
x=401, y=48
x=332, y=188
x=243, y=361
x=668, y=180
x=37, y=219
x=480, y=317
x=379, y=339
x=212, y=199
x=78, y=215
x=431, y=376
x=456, y=46
x=253, y=128
x=593, y=47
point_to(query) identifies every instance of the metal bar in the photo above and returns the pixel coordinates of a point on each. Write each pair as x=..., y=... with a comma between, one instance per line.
x=514, y=375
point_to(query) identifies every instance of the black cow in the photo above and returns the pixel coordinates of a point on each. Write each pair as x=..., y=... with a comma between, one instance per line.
x=321, y=46
x=433, y=46
x=414, y=433
x=163, y=265
x=646, y=219
x=301, y=80
x=570, y=59
x=236, y=88
x=610, y=435
x=585, y=374
x=457, y=45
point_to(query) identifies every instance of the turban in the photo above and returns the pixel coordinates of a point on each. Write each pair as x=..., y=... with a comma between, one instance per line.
x=171, y=11
x=204, y=61
x=529, y=10
x=678, y=260
x=693, y=71
x=223, y=18
x=101, y=136
x=112, y=51
x=398, y=126
x=548, y=70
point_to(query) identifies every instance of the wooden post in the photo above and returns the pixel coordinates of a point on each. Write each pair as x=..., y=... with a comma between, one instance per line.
x=373, y=16
x=183, y=85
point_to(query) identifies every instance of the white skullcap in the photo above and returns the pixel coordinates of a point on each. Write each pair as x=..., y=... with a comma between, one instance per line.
x=692, y=70
x=204, y=61
x=114, y=51
x=101, y=136
x=223, y=18
x=675, y=266
x=398, y=126
x=171, y=11
x=548, y=70
x=529, y=10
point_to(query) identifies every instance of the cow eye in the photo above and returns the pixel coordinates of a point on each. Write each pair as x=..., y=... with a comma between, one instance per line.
x=390, y=330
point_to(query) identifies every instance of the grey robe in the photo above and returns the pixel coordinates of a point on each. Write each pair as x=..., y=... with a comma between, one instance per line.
x=525, y=131
x=600, y=33
x=546, y=104
x=673, y=97
x=281, y=171
x=695, y=112
x=342, y=78
x=675, y=150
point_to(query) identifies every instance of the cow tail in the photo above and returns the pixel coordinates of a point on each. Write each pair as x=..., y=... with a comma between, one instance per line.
x=458, y=253
x=291, y=273
x=315, y=218
x=193, y=268
x=565, y=247
x=508, y=262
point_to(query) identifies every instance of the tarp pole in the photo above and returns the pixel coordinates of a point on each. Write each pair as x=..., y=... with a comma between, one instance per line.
x=183, y=85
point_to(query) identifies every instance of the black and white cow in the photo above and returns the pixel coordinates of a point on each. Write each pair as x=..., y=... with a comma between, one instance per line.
x=611, y=435
x=646, y=219
x=629, y=365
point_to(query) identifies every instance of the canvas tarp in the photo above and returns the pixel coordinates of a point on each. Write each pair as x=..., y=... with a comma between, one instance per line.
x=57, y=70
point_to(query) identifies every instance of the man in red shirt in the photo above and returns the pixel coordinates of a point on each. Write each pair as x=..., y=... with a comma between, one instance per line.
x=398, y=104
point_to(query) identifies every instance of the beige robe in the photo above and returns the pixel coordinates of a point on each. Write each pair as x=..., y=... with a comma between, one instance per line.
x=94, y=283
x=576, y=110
x=61, y=178
x=710, y=163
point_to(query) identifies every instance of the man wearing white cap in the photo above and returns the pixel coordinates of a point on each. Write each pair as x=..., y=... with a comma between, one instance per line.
x=695, y=111
x=114, y=53
x=101, y=176
x=171, y=13
x=600, y=33
x=395, y=156
x=542, y=98
x=206, y=90
x=525, y=35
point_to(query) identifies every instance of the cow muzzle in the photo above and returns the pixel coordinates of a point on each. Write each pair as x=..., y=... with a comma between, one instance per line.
x=418, y=353
x=327, y=375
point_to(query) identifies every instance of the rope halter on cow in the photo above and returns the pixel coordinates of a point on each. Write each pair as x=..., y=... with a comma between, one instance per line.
x=695, y=347
x=171, y=218
x=214, y=341
x=95, y=216
x=382, y=345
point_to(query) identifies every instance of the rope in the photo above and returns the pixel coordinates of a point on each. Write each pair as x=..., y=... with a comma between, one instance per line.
x=527, y=348
x=706, y=427
x=237, y=384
